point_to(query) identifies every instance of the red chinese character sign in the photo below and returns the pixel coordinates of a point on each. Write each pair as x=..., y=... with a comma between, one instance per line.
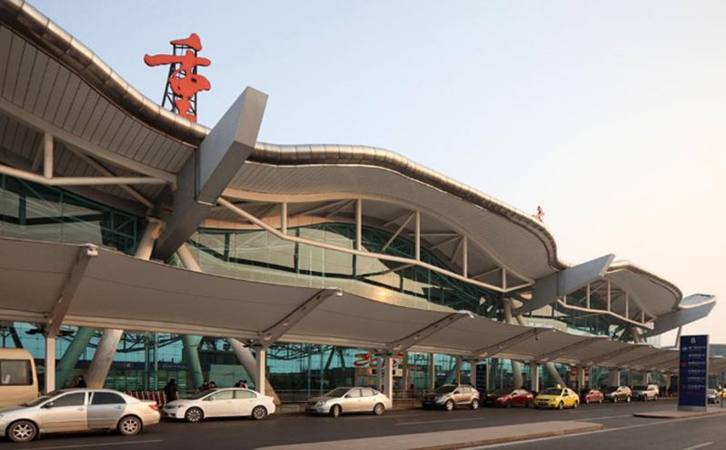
x=184, y=82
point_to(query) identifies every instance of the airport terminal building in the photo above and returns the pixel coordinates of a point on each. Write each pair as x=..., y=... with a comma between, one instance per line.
x=138, y=246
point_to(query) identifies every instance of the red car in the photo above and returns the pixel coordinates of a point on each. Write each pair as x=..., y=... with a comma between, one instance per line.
x=510, y=397
x=588, y=396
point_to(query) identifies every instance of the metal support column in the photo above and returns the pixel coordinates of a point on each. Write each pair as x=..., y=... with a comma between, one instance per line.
x=70, y=358
x=432, y=372
x=49, y=364
x=580, y=378
x=261, y=372
x=516, y=368
x=534, y=370
x=472, y=371
x=388, y=378
x=457, y=369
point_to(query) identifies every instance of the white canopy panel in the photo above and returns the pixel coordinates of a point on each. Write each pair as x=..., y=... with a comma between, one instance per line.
x=118, y=291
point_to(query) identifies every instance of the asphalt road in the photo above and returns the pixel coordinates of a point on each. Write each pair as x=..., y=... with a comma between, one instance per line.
x=623, y=431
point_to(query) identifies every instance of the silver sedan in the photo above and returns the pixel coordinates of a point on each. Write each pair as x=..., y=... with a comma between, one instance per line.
x=346, y=400
x=78, y=410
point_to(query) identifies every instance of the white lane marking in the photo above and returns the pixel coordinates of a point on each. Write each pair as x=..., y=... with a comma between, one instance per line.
x=603, y=417
x=608, y=430
x=439, y=421
x=705, y=444
x=155, y=441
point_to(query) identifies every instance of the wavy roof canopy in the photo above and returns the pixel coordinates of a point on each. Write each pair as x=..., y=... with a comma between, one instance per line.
x=120, y=122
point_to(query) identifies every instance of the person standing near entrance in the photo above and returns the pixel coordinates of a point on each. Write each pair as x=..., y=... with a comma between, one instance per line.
x=171, y=391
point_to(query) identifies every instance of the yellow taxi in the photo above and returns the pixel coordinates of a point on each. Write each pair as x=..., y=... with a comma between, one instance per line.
x=557, y=397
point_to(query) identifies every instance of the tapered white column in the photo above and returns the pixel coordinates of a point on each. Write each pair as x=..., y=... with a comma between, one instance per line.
x=388, y=378
x=261, y=372
x=517, y=379
x=432, y=371
x=457, y=369
x=472, y=371
x=106, y=350
x=49, y=364
x=534, y=370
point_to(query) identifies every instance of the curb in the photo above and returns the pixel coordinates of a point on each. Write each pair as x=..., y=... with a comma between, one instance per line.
x=520, y=438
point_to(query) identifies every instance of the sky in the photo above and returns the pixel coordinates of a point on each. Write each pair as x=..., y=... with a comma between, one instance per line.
x=610, y=115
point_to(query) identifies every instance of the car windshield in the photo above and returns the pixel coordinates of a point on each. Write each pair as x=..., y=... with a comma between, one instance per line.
x=610, y=389
x=337, y=392
x=552, y=391
x=500, y=392
x=38, y=400
x=445, y=389
x=640, y=388
x=201, y=394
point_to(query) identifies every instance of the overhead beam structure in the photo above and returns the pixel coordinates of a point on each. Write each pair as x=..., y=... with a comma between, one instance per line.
x=676, y=319
x=65, y=299
x=211, y=168
x=551, y=287
x=599, y=359
x=560, y=352
x=275, y=332
x=493, y=350
x=420, y=335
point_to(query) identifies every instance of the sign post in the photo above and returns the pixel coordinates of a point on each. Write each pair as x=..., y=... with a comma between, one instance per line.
x=693, y=373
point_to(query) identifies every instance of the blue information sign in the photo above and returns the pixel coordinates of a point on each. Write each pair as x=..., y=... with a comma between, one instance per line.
x=481, y=378
x=693, y=374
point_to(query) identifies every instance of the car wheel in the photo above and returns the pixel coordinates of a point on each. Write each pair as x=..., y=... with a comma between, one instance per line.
x=561, y=406
x=129, y=426
x=335, y=411
x=615, y=399
x=449, y=405
x=587, y=401
x=475, y=404
x=628, y=399
x=379, y=409
x=600, y=401
x=259, y=413
x=655, y=399
x=576, y=405
x=22, y=431
x=194, y=415
x=508, y=405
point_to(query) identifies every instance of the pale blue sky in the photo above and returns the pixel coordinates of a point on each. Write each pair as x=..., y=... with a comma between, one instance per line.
x=611, y=115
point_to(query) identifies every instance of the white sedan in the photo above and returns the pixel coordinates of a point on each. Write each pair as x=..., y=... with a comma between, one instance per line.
x=232, y=402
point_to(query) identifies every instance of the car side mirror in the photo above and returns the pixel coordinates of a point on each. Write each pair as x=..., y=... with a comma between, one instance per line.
x=49, y=405
x=347, y=396
x=457, y=392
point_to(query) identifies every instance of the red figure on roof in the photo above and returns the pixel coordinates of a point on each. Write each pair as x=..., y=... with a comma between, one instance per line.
x=185, y=83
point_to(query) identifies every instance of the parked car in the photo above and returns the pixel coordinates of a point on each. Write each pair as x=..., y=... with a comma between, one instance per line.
x=450, y=396
x=588, y=396
x=644, y=393
x=557, y=397
x=616, y=394
x=78, y=410
x=228, y=402
x=18, y=379
x=510, y=397
x=349, y=400
x=712, y=395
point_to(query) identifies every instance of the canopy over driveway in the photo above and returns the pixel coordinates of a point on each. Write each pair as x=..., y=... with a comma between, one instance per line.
x=82, y=285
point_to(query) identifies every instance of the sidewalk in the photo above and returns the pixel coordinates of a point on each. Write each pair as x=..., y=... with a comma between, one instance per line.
x=675, y=414
x=455, y=439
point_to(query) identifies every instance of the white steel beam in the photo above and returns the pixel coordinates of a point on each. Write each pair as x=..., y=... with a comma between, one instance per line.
x=359, y=224
x=283, y=217
x=68, y=292
x=319, y=208
x=417, y=234
x=76, y=181
x=465, y=257
x=107, y=172
x=84, y=145
x=386, y=257
x=499, y=347
x=276, y=331
x=560, y=352
x=48, y=147
x=409, y=341
x=398, y=232
x=599, y=359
